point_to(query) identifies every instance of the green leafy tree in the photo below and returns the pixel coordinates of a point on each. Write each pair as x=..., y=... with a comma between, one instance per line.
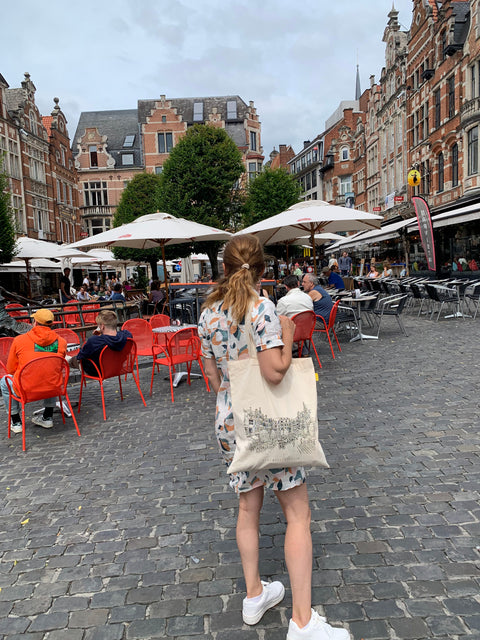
x=139, y=198
x=198, y=182
x=272, y=191
x=7, y=221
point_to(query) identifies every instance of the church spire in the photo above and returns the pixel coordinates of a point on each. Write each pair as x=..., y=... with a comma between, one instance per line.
x=358, y=91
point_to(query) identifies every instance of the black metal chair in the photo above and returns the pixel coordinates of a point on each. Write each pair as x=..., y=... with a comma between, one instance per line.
x=391, y=306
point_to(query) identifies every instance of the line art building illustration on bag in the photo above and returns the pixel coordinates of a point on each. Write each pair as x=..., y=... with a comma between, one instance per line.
x=260, y=429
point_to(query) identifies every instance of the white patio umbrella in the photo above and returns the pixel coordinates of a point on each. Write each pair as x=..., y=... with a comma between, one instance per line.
x=320, y=238
x=30, y=248
x=154, y=230
x=311, y=217
x=186, y=274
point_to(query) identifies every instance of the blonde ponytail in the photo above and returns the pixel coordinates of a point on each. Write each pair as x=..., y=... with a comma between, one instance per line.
x=244, y=264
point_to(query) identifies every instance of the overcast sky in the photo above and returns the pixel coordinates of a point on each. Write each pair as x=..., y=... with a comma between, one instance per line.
x=296, y=61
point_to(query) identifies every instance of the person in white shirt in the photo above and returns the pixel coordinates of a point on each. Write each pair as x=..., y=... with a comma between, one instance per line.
x=295, y=300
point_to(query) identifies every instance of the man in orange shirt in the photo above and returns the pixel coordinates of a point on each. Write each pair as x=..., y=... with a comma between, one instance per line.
x=40, y=341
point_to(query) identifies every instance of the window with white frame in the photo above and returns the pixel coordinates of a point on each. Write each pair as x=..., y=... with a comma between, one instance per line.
x=472, y=151
x=59, y=191
x=344, y=153
x=95, y=194
x=129, y=140
x=37, y=166
x=14, y=159
x=17, y=206
x=253, y=141
x=33, y=123
x=63, y=153
x=252, y=170
x=40, y=209
x=92, y=150
x=345, y=184
x=165, y=142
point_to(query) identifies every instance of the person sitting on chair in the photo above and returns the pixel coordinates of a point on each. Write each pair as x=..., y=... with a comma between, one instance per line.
x=295, y=300
x=83, y=295
x=157, y=294
x=322, y=301
x=40, y=341
x=117, y=293
x=105, y=334
x=334, y=278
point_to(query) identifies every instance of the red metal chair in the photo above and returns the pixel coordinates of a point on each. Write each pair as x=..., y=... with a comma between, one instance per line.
x=160, y=320
x=5, y=344
x=18, y=312
x=71, y=317
x=141, y=331
x=31, y=387
x=183, y=346
x=73, y=341
x=304, y=327
x=90, y=312
x=112, y=364
x=329, y=326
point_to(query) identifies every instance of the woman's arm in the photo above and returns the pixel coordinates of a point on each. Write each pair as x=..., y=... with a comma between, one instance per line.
x=213, y=374
x=274, y=362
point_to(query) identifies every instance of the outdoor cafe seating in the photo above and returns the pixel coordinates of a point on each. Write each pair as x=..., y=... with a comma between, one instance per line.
x=30, y=388
x=112, y=364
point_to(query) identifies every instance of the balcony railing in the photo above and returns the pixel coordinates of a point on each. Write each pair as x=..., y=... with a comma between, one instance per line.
x=470, y=111
x=102, y=210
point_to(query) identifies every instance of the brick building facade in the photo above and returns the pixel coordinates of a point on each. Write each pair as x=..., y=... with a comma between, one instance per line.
x=39, y=165
x=112, y=146
x=424, y=112
x=64, y=177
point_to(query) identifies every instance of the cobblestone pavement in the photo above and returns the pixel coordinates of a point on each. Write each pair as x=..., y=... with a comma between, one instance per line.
x=128, y=532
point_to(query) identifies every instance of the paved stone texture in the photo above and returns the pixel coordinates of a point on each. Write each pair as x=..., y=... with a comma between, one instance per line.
x=129, y=531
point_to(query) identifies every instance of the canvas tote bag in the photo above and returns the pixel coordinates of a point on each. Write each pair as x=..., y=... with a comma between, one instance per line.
x=275, y=424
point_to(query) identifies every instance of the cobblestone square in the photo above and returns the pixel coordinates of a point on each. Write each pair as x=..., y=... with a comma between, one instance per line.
x=128, y=532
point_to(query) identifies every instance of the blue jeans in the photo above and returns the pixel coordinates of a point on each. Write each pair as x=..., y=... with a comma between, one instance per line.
x=48, y=402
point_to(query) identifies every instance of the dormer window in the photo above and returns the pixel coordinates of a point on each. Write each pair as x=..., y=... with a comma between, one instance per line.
x=127, y=159
x=231, y=110
x=198, y=111
x=129, y=140
x=92, y=150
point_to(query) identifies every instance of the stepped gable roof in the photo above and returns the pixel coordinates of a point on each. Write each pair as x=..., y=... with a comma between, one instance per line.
x=184, y=107
x=115, y=125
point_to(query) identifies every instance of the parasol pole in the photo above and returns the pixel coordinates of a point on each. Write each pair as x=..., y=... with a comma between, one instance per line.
x=312, y=240
x=29, y=285
x=165, y=274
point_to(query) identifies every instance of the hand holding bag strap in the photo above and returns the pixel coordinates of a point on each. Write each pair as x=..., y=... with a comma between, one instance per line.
x=275, y=425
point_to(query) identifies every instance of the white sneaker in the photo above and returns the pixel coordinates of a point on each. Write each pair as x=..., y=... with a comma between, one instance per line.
x=316, y=629
x=271, y=595
x=41, y=422
x=16, y=427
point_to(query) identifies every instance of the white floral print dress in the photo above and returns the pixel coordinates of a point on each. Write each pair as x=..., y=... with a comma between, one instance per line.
x=224, y=340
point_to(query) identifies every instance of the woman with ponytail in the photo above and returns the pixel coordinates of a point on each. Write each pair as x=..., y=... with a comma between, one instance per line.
x=229, y=310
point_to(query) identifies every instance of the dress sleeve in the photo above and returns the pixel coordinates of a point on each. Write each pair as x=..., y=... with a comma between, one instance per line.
x=267, y=327
x=204, y=335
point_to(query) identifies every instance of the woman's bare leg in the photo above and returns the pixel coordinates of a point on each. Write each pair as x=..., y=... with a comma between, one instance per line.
x=298, y=550
x=248, y=519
